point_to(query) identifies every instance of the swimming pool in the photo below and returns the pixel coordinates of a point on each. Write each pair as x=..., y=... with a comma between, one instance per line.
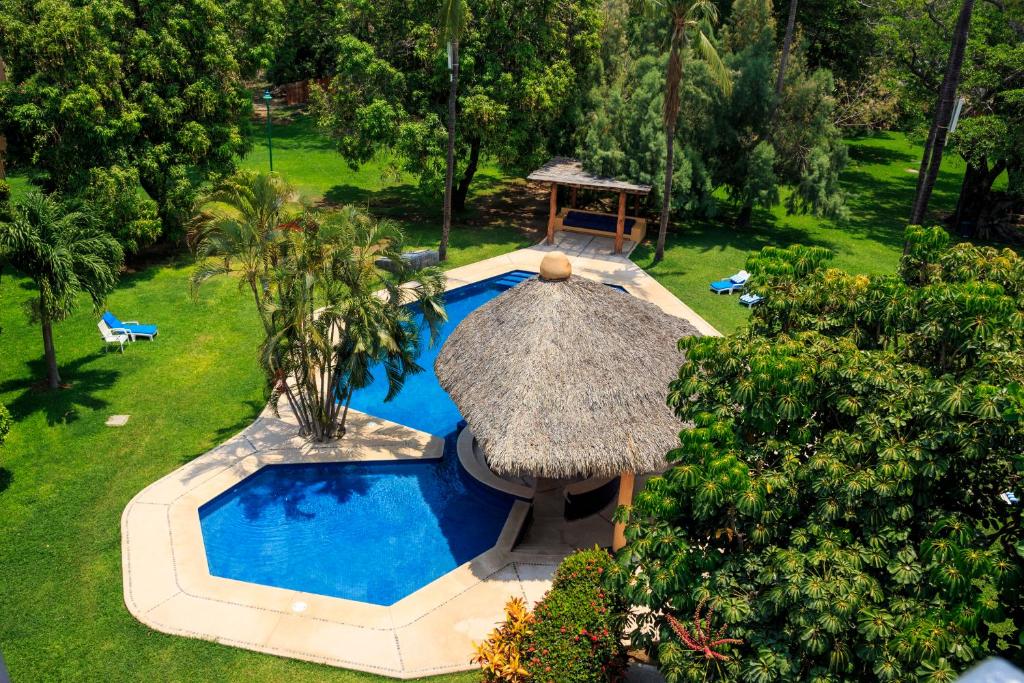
x=423, y=404
x=373, y=532
x=368, y=531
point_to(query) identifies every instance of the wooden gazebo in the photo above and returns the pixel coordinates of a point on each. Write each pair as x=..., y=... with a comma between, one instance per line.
x=571, y=174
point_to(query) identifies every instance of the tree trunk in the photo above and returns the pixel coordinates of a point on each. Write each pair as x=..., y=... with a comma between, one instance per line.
x=743, y=220
x=974, y=193
x=672, y=79
x=459, y=198
x=787, y=44
x=52, y=373
x=449, y=176
x=943, y=111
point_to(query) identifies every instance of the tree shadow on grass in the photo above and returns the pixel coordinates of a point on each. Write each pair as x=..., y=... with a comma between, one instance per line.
x=408, y=199
x=6, y=477
x=228, y=431
x=720, y=234
x=881, y=156
x=61, y=406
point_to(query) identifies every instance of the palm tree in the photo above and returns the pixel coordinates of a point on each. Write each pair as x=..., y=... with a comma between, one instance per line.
x=453, y=23
x=332, y=328
x=236, y=232
x=685, y=17
x=934, y=146
x=787, y=44
x=65, y=256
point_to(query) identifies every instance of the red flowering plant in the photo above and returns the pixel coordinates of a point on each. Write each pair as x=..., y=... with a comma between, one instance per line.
x=577, y=630
x=574, y=633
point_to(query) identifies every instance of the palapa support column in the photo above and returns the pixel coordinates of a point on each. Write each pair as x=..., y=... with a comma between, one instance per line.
x=626, y=482
x=620, y=225
x=552, y=212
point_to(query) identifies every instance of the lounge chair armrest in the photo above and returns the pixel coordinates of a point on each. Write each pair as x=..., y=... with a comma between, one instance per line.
x=120, y=330
x=130, y=322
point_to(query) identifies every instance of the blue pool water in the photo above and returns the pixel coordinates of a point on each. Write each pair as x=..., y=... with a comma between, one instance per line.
x=373, y=532
x=423, y=404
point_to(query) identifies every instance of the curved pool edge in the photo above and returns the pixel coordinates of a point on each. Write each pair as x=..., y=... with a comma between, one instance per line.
x=474, y=466
x=168, y=586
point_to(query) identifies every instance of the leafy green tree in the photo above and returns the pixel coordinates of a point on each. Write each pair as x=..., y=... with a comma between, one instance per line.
x=65, y=256
x=330, y=329
x=990, y=134
x=728, y=141
x=687, y=20
x=109, y=88
x=307, y=45
x=453, y=24
x=919, y=40
x=524, y=70
x=838, y=498
x=121, y=208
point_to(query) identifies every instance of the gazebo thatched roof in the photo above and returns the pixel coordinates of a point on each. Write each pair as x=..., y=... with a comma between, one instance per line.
x=566, y=378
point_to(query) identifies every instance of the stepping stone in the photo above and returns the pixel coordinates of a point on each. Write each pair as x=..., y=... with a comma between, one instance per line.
x=117, y=420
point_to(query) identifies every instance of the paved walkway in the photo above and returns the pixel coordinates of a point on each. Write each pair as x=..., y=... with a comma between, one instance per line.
x=167, y=584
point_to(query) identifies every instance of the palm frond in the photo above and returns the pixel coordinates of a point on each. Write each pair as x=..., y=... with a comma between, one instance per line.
x=719, y=71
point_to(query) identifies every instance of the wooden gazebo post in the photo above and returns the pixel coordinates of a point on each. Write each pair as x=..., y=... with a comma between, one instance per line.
x=620, y=225
x=626, y=483
x=552, y=212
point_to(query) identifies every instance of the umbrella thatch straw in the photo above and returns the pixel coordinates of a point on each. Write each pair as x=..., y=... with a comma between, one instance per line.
x=566, y=378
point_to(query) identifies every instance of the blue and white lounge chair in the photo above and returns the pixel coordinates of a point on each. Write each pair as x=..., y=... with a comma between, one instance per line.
x=751, y=299
x=130, y=327
x=731, y=284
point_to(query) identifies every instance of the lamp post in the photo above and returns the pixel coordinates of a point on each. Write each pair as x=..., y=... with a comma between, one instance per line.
x=270, y=143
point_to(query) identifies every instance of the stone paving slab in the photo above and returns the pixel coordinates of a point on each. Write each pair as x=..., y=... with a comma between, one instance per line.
x=167, y=584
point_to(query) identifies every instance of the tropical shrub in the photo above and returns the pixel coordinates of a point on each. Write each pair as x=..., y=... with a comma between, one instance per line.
x=839, y=499
x=573, y=635
x=331, y=290
x=501, y=656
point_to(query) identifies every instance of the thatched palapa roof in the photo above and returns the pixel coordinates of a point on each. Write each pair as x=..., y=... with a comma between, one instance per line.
x=566, y=378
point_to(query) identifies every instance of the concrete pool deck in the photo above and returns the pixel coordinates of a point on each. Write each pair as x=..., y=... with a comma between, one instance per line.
x=168, y=586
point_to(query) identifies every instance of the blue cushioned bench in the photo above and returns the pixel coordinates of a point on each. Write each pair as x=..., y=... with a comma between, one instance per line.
x=596, y=223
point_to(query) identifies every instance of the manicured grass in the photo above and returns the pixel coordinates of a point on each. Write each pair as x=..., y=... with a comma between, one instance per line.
x=880, y=191
x=66, y=477
x=310, y=162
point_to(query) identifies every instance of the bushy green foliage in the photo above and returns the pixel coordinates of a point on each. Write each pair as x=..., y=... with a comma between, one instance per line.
x=120, y=207
x=5, y=199
x=837, y=499
x=153, y=86
x=916, y=40
x=524, y=70
x=742, y=142
x=5, y=423
x=577, y=630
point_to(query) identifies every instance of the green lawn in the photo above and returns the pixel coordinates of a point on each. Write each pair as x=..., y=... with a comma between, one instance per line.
x=309, y=161
x=880, y=191
x=65, y=477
